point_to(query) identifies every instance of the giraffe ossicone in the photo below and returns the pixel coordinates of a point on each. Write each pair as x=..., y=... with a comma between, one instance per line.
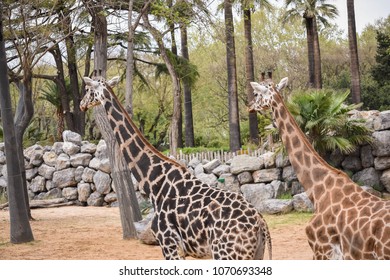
x=348, y=222
x=191, y=218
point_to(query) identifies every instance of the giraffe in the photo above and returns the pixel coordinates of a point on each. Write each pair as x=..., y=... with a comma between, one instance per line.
x=191, y=218
x=348, y=222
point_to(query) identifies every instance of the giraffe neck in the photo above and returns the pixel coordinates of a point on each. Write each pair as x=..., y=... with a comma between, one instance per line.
x=146, y=163
x=313, y=172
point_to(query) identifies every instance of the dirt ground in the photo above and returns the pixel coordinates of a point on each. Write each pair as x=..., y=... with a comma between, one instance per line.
x=94, y=233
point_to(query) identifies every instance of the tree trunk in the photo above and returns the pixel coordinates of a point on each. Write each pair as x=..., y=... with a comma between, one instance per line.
x=20, y=229
x=188, y=117
x=250, y=76
x=353, y=53
x=234, y=122
x=130, y=63
x=128, y=203
x=310, y=50
x=317, y=57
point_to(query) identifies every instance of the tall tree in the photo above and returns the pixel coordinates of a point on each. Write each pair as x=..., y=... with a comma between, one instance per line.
x=312, y=11
x=353, y=52
x=247, y=6
x=20, y=229
x=234, y=119
x=128, y=203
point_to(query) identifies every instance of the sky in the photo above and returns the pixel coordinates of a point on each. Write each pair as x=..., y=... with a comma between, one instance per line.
x=366, y=12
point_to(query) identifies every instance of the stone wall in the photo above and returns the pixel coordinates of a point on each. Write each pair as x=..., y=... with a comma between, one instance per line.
x=80, y=170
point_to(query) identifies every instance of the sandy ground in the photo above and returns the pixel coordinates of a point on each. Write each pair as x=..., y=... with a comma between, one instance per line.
x=94, y=233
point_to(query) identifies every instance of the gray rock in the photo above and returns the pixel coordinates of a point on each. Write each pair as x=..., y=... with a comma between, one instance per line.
x=37, y=184
x=352, y=163
x=110, y=198
x=280, y=188
x=102, y=182
x=382, y=163
x=30, y=173
x=78, y=174
x=3, y=182
x=198, y=169
x=64, y=178
x=53, y=193
x=81, y=159
x=268, y=159
x=367, y=177
x=84, y=191
x=70, y=193
x=336, y=158
x=49, y=185
x=2, y=157
x=282, y=160
x=245, y=177
x=194, y=162
x=208, y=167
x=95, y=199
x=102, y=164
x=243, y=163
x=302, y=203
x=88, y=174
x=257, y=193
x=50, y=158
x=57, y=148
x=46, y=171
x=229, y=182
x=381, y=147
x=70, y=148
x=209, y=179
x=72, y=137
x=385, y=179
x=296, y=188
x=34, y=154
x=276, y=206
x=288, y=174
x=101, y=150
x=62, y=162
x=266, y=175
x=382, y=121
x=87, y=147
x=366, y=156
x=222, y=169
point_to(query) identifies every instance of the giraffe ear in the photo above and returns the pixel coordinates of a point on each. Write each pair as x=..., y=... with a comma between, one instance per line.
x=258, y=87
x=89, y=82
x=113, y=82
x=282, y=84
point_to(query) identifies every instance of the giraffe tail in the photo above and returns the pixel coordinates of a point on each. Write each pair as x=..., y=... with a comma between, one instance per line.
x=264, y=241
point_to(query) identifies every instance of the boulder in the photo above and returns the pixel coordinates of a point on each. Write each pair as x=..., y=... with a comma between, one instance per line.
x=381, y=147
x=385, y=179
x=37, y=184
x=268, y=159
x=2, y=157
x=80, y=159
x=62, y=162
x=276, y=206
x=352, y=163
x=87, y=147
x=110, y=198
x=257, y=193
x=72, y=137
x=280, y=188
x=50, y=158
x=84, y=191
x=194, y=162
x=64, y=178
x=57, y=148
x=208, y=167
x=288, y=174
x=382, y=163
x=198, y=169
x=367, y=177
x=302, y=203
x=78, y=174
x=221, y=169
x=267, y=175
x=229, y=182
x=34, y=154
x=70, y=148
x=88, y=174
x=102, y=164
x=209, y=179
x=102, y=182
x=70, y=193
x=243, y=163
x=95, y=199
x=53, y=193
x=30, y=173
x=46, y=171
x=366, y=156
x=382, y=121
x=296, y=188
x=245, y=177
x=101, y=150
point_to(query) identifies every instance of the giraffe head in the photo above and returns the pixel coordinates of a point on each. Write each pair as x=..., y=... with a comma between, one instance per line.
x=264, y=94
x=96, y=91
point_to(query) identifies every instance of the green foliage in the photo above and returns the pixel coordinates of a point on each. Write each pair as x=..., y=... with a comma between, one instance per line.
x=323, y=117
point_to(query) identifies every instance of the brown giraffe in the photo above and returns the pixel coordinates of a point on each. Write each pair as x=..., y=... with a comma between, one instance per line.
x=348, y=223
x=191, y=218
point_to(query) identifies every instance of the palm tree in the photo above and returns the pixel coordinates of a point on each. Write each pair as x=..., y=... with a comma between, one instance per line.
x=247, y=7
x=311, y=11
x=353, y=52
x=234, y=121
x=323, y=117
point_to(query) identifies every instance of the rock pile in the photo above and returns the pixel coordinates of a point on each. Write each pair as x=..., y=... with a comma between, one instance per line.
x=80, y=170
